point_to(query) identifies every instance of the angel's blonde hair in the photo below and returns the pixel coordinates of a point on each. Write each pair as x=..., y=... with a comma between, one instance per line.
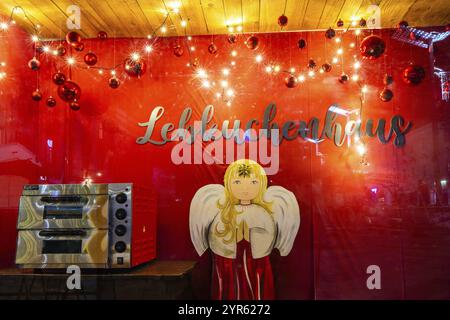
x=239, y=169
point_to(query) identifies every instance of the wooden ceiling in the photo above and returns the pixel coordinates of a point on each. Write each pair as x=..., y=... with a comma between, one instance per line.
x=139, y=18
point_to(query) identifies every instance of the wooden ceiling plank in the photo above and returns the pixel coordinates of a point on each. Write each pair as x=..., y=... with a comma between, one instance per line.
x=105, y=11
x=142, y=25
x=173, y=22
x=251, y=15
x=153, y=13
x=350, y=9
x=270, y=11
x=392, y=11
x=215, y=16
x=313, y=14
x=196, y=9
x=295, y=11
x=42, y=16
x=330, y=14
x=426, y=13
x=6, y=9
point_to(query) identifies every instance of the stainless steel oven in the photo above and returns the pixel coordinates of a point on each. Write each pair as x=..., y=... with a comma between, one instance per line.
x=87, y=225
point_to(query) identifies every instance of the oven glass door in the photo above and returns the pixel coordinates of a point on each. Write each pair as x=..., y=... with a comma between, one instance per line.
x=62, y=247
x=63, y=211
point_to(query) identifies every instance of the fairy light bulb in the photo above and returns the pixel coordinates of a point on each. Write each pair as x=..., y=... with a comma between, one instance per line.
x=218, y=94
x=230, y=29
x=355, y=77
x=183, y=23
x=135, y=56
x=35, y=38
x=234, y=53
x=311, y=73
x=357, y=65
x=239, y=28
x=192, y=48
x=301, y=78
x=189, y=38
x=258, y=58
x=352, y=45
x=201, y=73
x=339, y=51
x=268, y=69
x=230, y=92
x=225, y=72
x=55, y=52
x=292, y=70
x=149, y=36
x=206, y=84
x=357, y=32
x=70, y=61
x=163, y=29
x=229, y=103
x=321, y=71
x=335, y=60
x=361, y=149
x=364, y=89
x=148, y=48
x=100, y=71
x=46, y=49
x=224, y=83
x=354, y=23
x=3, y=26
x=338, y=40
x=277, y=68
x=233, y=63
x=113, y=72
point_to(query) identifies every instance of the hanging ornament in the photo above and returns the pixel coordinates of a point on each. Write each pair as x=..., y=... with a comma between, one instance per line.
x=114, y=83
x=61, y=50
x=326, y=67
x=291, y=81
x=413, y=36
x=413, y=74
x=69, y=91
x=79, y=46
x=73, y=38
x=386, y=95
x=372, y=47
x=402, y=25
x=74, y=105
x=232, y=38
x=340, y=23
x=59, y=78
x=388, y=79
x=362, y=22
x=34, y=64
x=178, y=50
x=330, y=33
x=51, y=102
x=311, y=64
x=39, y=47
x=135, y=68
x=212, y=48
x=252, y=42
x=102, y=35
x=301, y=44
x=343, y=78
x=36, y=95
x=283, y=20
x=90, y=58
x=196, y=62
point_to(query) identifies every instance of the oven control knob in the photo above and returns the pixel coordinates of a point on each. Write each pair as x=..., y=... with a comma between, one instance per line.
x=120, y=230
x=121, y=214
x=120, y=246
x=121, y=197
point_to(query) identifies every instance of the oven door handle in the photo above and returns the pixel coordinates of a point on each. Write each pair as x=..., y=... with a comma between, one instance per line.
x=64, y=199
x=62, y=233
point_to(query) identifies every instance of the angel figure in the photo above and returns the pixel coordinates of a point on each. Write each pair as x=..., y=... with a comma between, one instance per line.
x=242, y=221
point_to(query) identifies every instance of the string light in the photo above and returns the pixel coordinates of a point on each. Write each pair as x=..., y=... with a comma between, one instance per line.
x=35, y=38
x=234, y=53
x=113, y=72
x=357, y=31
x=3, y=64
x=206, y=84
x=218, y=94
x=163, y=29
x=352, y=45
x=192, y=48
x=233, y=63
x=149, y=36
x=311, y=73
x=229, y=103
x=277, y=68
x=46, y=49
x=148, y=48
x=3, y=26
x=230, y=92
x=301, y=78
x=201, y=73
x=338, y=40
x=135, y=56
x=335, y=60
x=355, y=77
x=70, y=61
x=361, y=149
x=239, y=28
x=292, y=70
x=55, y=52
x=230, y=29
x=225, y=71
x=189, y=38
x=183, y=23
x=100, y=71
x=364, y=89
x=340, y=51
x=357, y=65
x=2, y=75
x=259, y=58
x=224, y=83
x=268, y=69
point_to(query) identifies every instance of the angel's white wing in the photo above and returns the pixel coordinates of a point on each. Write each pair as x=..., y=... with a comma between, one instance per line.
x=202, y=213
x=286, y=214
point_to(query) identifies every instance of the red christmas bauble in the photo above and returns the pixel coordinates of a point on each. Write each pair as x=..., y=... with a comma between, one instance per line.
x=69, y=91
x=73, y=38
x=343, y=78
x=283, y=20
x=402, y=24
x=36, y=95
x=74, y=105
x=386, y=95
x=326, y=67
x=61, y=50
x=413, y=74
x=178, y=50
x=388, y=79
x=232, y=38
x=102, y=35
x=59, y=78
x=330, y=33
x=212, y=48
x=301, y=44
x=114, y=83
x=34, y=64
x=79, y=46
x=135, y=68
x=372, y=47
x=51, y=102
x=311, y=64
x=252, y=42
x=362, y=22
x=340, y=23
x=90, y=58
x=413, y=36
x=39, y=47
x=291, y=81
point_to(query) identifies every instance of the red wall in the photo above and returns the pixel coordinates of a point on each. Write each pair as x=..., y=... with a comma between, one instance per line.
x=344, y=226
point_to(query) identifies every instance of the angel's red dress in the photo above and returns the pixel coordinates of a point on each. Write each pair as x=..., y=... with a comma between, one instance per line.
x=243, y=278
